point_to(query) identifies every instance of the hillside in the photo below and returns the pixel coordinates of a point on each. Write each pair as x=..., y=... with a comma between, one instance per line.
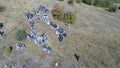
x=95, y=37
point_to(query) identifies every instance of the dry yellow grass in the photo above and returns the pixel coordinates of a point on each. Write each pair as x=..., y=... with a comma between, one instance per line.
x=95, y=36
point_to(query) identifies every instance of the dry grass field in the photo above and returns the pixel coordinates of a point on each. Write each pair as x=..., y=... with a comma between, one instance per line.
x=95, y=37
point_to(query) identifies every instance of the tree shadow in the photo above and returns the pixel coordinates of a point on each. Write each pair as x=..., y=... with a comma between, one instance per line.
x=1, y=25
x=11, y=47
x=2, y=8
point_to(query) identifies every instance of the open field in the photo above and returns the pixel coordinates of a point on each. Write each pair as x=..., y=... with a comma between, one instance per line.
x=95, y=37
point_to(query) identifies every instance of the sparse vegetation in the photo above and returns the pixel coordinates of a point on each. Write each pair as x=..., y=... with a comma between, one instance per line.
x=20, y=35
x=8, y=50
x=1, y=25
x=69, y=17
x=61, y=0
x=100, y=3
x=2, y=8
x=95, y=36
x=90, y=2
x=59, y=14
x=103, y=3
x=113, y=8
x=78, y=1
x=71, y=2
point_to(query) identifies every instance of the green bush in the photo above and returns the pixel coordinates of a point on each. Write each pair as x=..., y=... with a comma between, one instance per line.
x=100, y=3
x=8, y=50
x=1, y=25
x=113, y=9
x=20, y=35
x=71, y=2
x=78, y=1
x=103, y=3
x=90, y=2
x=61, y=0
x=117, y=1
x=57, y=15
x=69, y=17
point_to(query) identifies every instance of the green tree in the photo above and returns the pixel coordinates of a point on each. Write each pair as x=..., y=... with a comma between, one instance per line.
x=20, y=35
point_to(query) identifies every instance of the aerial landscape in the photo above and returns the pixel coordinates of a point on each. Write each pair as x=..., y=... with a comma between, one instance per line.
x=59, y=33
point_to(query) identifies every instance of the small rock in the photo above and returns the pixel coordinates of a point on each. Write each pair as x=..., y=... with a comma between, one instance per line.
x=5, y=66
x=56, y=64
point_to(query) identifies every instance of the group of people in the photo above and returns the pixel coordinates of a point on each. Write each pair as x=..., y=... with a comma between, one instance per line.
x=39, y=39
x=60, y=32
x=33, y=33
x=33, y=36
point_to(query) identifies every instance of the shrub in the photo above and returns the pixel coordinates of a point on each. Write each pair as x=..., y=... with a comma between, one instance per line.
x=59, y=14
x=20, y=35
x=71, y=2
x=56, y=14
x=2, y=8
x=78, y=1
x=69, y=17
x=8, y=50
x=1, y=25
x=117, y=1
x=103, y=3
x=90, y=2
x=58, y=7
x=61, y=0
x=113, y=8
